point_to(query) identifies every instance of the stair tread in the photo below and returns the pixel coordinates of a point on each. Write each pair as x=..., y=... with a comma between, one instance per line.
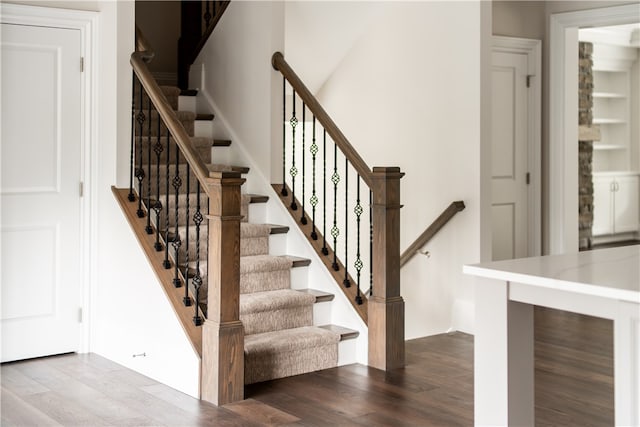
x=205, y=117
x=298, y=261
x=279, y=229
x=289, y=340
x=221, y=142
x=257, y=198
x=197, y=141
x=321, y=296
x=182, y=115
x=189, y=92
x=170, y=90
x=227, y=168
x=264, y=301
x=345, y=333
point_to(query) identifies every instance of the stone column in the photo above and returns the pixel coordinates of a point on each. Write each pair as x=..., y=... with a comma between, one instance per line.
x=587, y=134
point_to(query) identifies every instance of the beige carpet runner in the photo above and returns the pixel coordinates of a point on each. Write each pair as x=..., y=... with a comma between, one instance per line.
x=280, y=339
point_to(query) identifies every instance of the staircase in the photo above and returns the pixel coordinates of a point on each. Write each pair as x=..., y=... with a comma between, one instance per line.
x=280, y=337
x=214, y=255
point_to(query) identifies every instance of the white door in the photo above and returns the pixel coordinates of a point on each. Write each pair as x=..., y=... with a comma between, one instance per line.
x=509, y=156
x=40, y=159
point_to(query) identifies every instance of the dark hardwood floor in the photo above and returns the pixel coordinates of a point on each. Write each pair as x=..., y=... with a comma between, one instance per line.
x=574, y=386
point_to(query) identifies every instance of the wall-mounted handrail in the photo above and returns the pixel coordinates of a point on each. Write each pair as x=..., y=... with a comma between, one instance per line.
x=278, y=62
x=166, y=113
x=435, y=226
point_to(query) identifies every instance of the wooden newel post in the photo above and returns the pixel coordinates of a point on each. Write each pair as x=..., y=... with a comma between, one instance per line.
x=223, y=335
x=386, y=306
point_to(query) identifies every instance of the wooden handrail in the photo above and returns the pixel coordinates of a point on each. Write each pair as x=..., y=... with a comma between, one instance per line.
x=170, y=119
x=278, y=63
x=444, y=217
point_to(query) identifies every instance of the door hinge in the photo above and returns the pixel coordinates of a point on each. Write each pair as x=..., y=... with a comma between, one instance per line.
x=528, y=178
x=529, y=80
x=80, y=315
x=82, y=64
x=81, y=189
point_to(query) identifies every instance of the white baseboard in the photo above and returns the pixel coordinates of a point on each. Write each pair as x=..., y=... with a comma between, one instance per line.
x=463, y=316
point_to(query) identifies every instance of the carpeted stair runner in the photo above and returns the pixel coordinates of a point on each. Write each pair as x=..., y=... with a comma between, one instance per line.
x=280, y=339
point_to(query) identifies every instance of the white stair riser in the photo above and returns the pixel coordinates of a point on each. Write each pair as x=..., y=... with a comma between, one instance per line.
x=187, y=103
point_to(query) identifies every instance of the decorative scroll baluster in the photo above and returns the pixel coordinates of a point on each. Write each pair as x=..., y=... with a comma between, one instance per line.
x=197, y=279
x=293, y=171
x=131, y=196
x=148, y=229
x=303, y=218
x=325, y=251
x=167, y=263
x=140, y=171
x=370, y=243
x=335, y=231
x=283, y=190
x=177, y=183
x=157, y=204
x=358, y=264
x=346, y=282
x=314, y=198
x=186, y=300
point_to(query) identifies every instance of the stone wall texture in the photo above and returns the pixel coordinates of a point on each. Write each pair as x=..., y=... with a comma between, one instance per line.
x=585, y=152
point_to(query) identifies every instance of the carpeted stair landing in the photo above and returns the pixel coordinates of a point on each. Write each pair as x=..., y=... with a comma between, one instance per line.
x=280, y=339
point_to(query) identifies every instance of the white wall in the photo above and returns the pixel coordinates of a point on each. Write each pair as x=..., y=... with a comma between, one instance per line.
x=237, y=76
x=635, y=113
x=408, y=94
x=128, y=313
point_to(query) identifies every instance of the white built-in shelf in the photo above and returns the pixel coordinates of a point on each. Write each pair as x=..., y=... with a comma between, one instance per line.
x=609, y=95
x=597, y=146
x=603, y=121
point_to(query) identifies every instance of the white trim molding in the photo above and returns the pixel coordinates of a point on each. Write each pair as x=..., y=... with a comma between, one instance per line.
x=563, y=106
x=86, y=22
x=533, y=49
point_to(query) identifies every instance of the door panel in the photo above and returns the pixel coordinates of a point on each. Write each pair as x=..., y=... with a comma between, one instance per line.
x=626, y=204
x=40, y=152
x=509, y=156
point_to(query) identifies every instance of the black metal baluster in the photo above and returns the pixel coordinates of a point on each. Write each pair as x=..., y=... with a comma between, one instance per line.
x=132, y=197
x=325, y=251
x=370, y=243
x=346, y=282
x=166, y=263
x=303, y=218
x=335, y=231
x=140, y=171
x=197, y=279
x=314, y=199
x=283, y=190
x=157, y=205
x=186, y=300
x=358, y=264
x=293, y=171
x=177, y=183
x=148, y=228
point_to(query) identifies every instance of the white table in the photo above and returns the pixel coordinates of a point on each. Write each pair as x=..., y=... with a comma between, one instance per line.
x=603, y=283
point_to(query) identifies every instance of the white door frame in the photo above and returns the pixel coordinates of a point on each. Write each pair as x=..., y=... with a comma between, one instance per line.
x=562, y=233
x=86, y=22
x=533, y=49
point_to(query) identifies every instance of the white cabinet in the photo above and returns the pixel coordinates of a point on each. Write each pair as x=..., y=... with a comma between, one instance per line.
x=616, y=204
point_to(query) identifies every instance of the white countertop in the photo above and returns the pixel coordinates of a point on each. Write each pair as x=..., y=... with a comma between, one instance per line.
x=611, y=273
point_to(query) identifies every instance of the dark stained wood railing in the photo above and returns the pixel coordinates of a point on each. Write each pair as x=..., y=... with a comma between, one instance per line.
x=344, y=252
x=431, y=231
x=220, y=341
